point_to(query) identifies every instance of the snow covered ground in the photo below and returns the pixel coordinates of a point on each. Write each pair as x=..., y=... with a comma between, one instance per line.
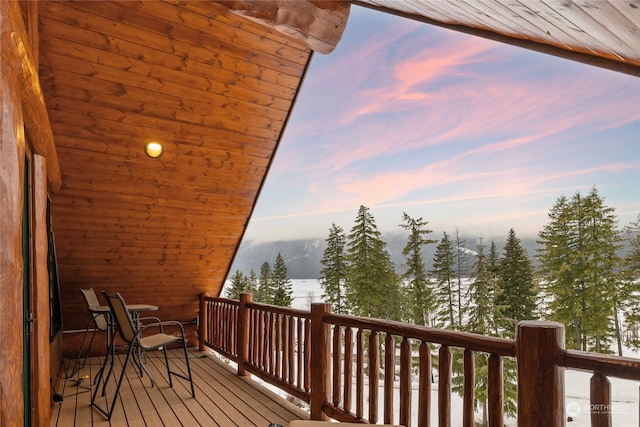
x=625, y=395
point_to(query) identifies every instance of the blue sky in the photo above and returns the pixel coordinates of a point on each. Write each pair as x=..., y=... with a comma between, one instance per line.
x=467, y=133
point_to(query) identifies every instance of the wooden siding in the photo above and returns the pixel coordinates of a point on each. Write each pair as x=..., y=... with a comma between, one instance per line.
x=215, y=88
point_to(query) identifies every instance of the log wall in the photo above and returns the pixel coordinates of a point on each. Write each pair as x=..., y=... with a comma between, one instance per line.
x=23, y=131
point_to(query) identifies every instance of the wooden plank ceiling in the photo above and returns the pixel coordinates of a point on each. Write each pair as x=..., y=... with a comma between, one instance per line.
x=214, y=87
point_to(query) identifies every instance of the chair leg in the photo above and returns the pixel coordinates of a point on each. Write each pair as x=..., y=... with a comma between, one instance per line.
x=76, y=367
x=107, y=413
x=166, y=362
x=100, y=375
x=186, y=358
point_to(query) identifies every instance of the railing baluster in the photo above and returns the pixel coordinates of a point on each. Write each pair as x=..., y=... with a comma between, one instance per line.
x=348, y=368
x=374, y=374
x=389, y=377
x=276, y=366
x=495, y=391
x=336, y=377
x=469, y=388
x=405, y=382
x=444, y=386
x=424, y=386
x=360, y=374
x=271, y=340
x=600, y=398
x=307, y=355
x=264, y=349
x=300, y=350
x=291, y=322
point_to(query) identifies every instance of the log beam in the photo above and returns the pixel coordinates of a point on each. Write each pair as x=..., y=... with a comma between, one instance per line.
x=17, y=52
x=319, y=24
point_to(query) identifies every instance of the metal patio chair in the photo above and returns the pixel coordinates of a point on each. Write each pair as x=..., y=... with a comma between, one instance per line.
x=99, y=322
x=131, y=333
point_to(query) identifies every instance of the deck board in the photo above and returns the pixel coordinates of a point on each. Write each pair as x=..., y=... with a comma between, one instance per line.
x=222, y=398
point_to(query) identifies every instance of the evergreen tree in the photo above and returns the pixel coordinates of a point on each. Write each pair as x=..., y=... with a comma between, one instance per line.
x=493, y=270
x=579, y=262
x=630, y=288
x=481, y=308
x=264, y=292
x=443, y=274
x=333, y=275
x=252, y=282
x=239, y=284
x=518, y=297
x=419, y=287
x=463, y=263
x=373, y=287
x=281, y=290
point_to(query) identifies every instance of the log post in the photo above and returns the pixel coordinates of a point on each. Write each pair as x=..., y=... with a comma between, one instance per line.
x=600, y=400
x=203, y=319
x=320, y=345
x=243, y=332
x=540, y=379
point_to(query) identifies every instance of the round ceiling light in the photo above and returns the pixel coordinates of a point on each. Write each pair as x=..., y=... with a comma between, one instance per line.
x=153, y=149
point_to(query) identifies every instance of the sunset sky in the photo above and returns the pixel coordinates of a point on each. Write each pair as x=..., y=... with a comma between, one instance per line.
x=464, y=132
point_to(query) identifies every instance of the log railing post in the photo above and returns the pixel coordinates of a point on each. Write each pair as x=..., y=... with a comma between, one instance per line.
x=242, y=329
x=319, y=371
x=203, y=320
x=540, y=379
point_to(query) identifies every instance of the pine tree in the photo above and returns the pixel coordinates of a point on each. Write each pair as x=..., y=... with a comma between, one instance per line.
x=602, y=241
x=493, y=270
x=373, y=288
x=252, y=282
x=481, y=309
x=281, y=284
x=239, y=284
x=479, y=320
x=443, y=274
x=564, y=299
x=419, y=287
x=518, y=297
x=463, y=264
x=333, y=275
x=264, y=292
x=579, y=262
x=630, y=306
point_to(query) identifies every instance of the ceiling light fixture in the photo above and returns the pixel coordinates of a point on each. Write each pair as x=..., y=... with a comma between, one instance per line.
x=153, y=149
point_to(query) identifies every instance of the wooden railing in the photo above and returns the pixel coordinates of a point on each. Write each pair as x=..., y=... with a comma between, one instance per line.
x=324, y=359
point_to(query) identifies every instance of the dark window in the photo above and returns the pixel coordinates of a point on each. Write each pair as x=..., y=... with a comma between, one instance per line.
x=55, y=310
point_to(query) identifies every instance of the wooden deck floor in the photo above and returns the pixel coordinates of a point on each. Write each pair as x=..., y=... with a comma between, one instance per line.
x=222, y=398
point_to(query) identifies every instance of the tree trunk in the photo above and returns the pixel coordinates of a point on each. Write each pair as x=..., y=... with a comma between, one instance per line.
x=576, y=332
x=618, y=334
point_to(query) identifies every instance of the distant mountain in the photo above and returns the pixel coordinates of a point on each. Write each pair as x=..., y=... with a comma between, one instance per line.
x=303, y=256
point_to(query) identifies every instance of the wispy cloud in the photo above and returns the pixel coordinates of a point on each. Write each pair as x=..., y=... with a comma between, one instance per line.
x=419, y=116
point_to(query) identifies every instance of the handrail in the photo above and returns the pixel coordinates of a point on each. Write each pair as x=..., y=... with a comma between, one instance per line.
x=612, y=366
x=322, y=358
x=470, y=341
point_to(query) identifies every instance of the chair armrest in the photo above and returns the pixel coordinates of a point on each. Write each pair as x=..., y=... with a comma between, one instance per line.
x=156, y=322
x=175, y=323
x=161, y=325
